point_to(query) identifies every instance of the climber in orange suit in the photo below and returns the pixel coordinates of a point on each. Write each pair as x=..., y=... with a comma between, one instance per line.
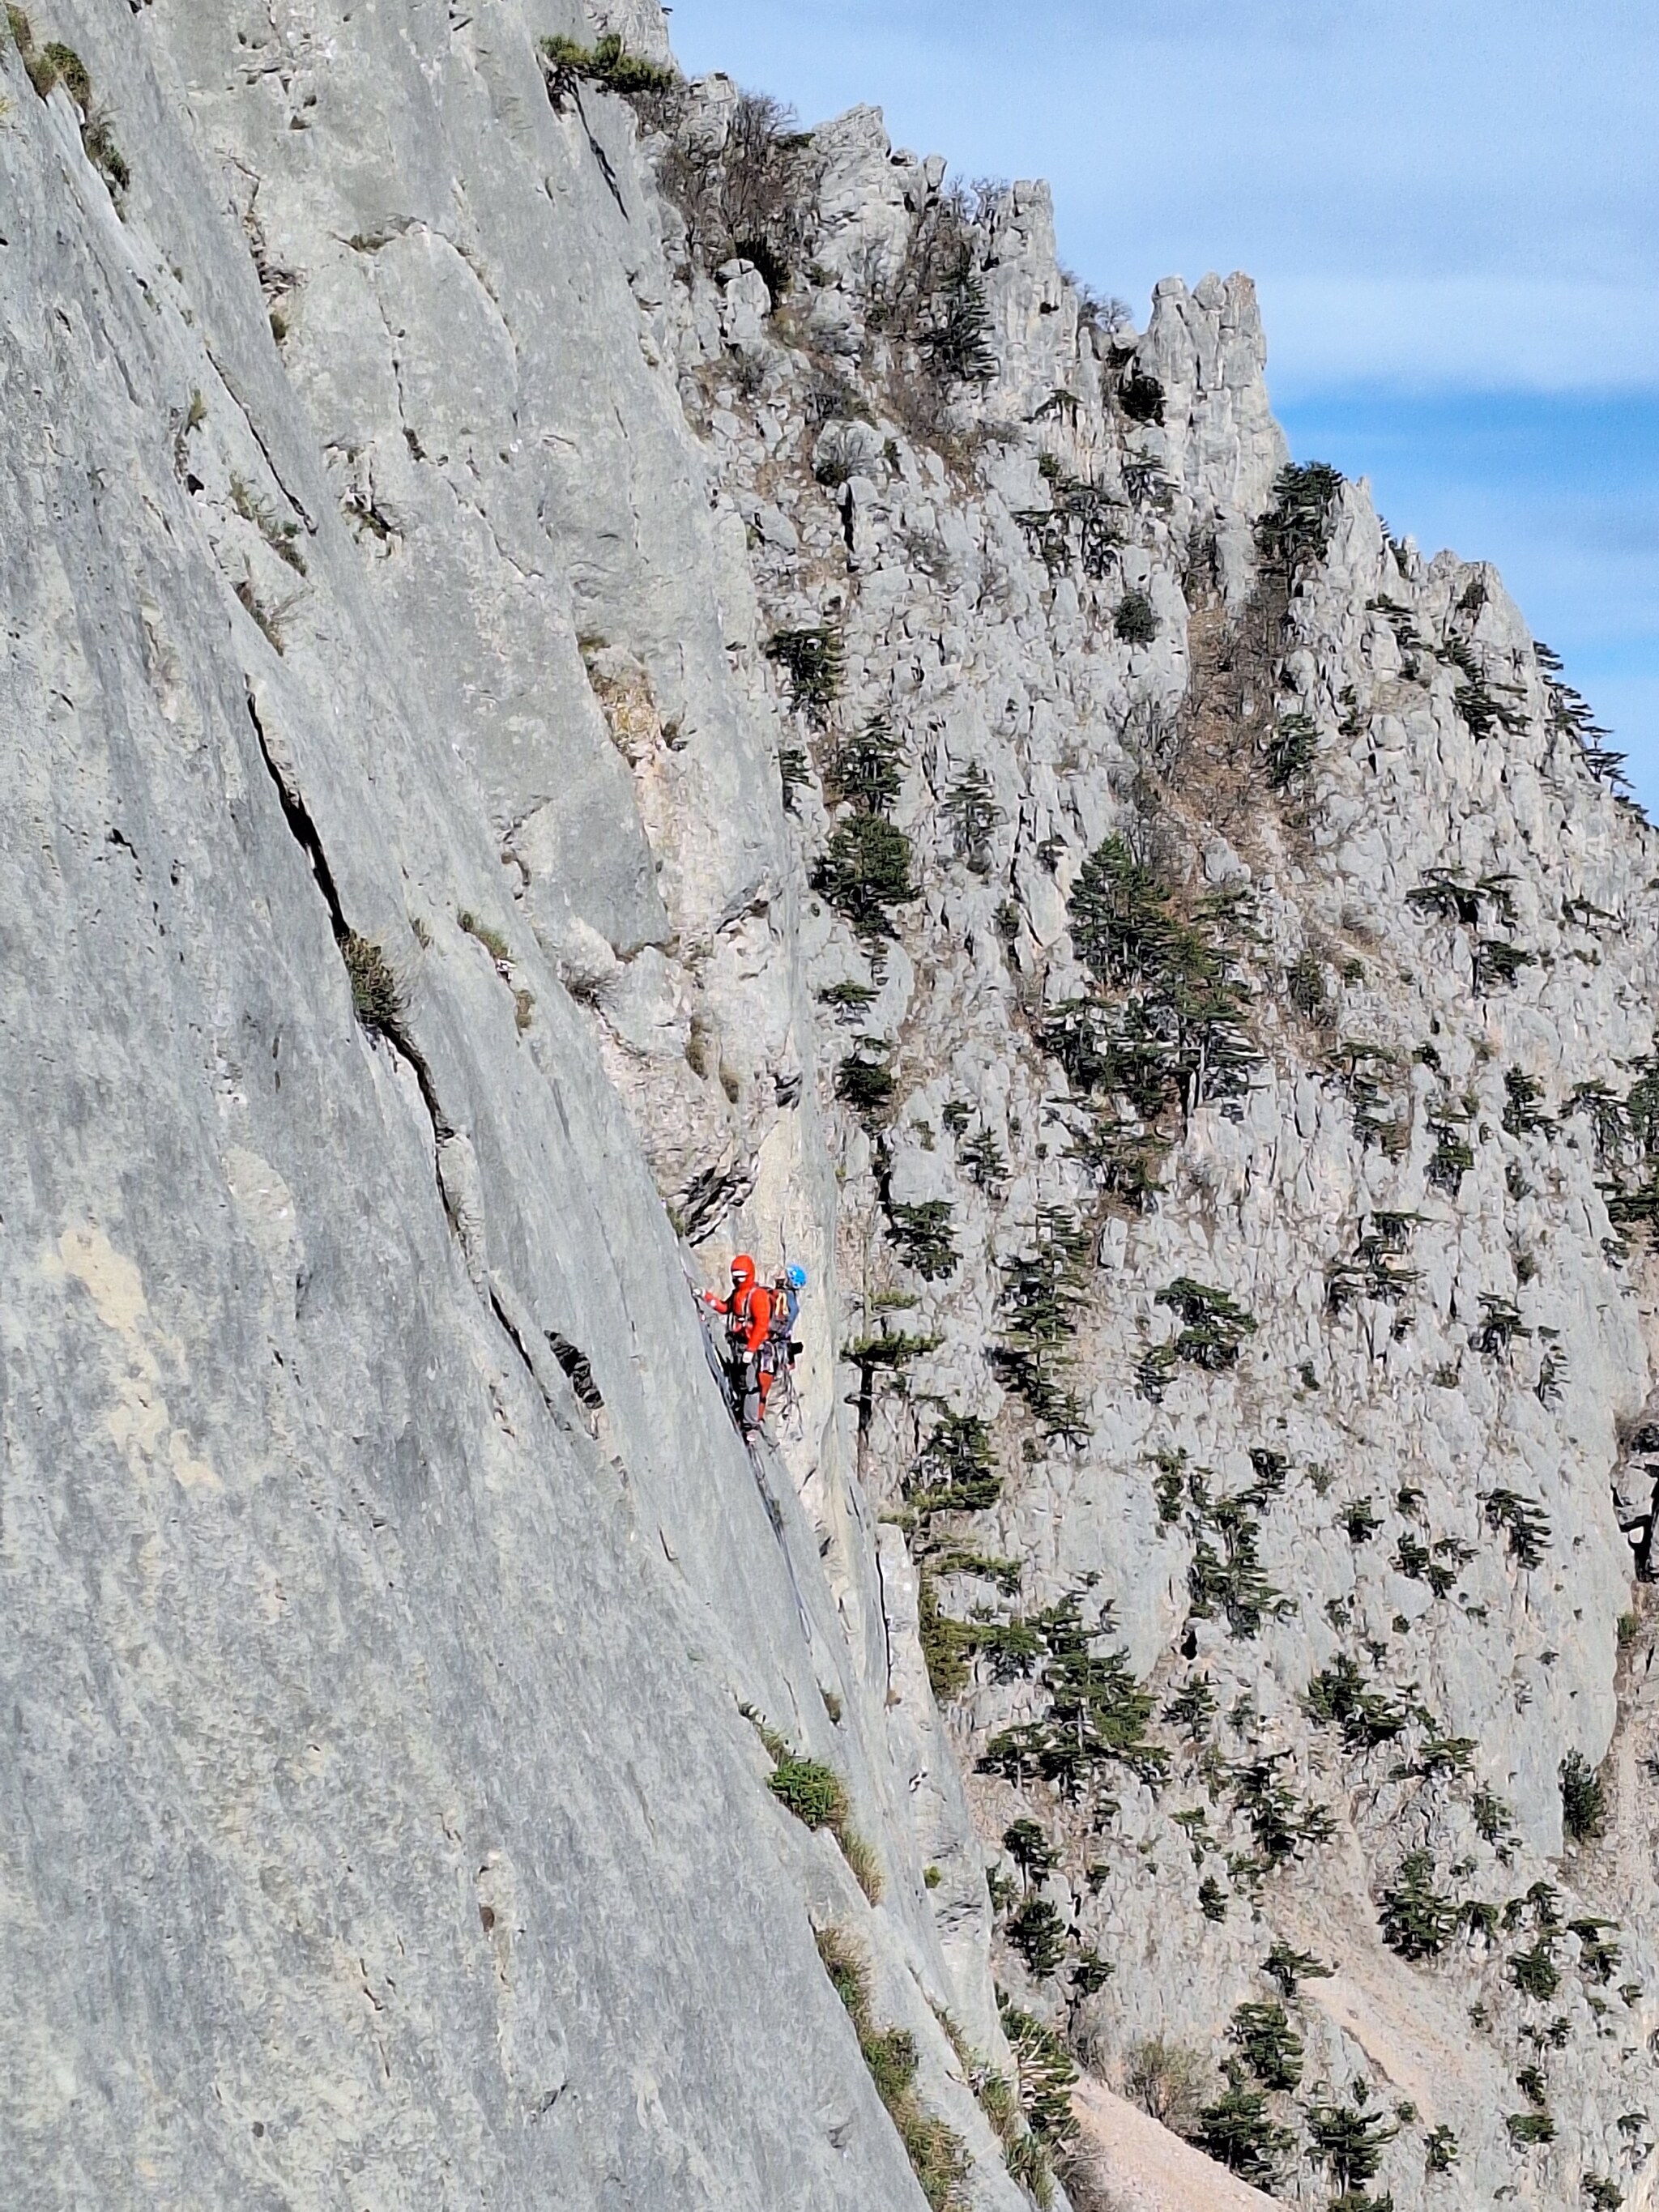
x=747, y=1326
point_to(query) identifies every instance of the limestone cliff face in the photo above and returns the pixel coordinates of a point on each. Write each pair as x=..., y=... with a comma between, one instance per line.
x=588, y=679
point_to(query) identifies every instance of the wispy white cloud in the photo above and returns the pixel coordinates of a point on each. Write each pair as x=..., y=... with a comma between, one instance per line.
x=1494, y=331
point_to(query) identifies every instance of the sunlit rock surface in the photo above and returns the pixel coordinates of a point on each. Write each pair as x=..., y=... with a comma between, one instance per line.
x=432, y=542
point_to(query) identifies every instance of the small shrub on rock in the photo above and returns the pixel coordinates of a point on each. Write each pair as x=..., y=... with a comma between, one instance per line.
x=1523, y=1112
x=1192, y=1707
x=56, y=64
x=1282, y=1824
x=1038, y=1933
x=1530, y=2081
x=954, y=1471
x=1350, y=2139
x=1534, y=1971
x=1170, y=2080
x=811, y=660
x=1239, y=2132
x=606, y=64
x=764, y=180
x=1292, y=750
x=1296, y=530
x=946, y=1643
x=888, y=1352
x=811, y=1791
x=1287, y=1967
x=984, y=1161
x=847, y=998
x=378, y=999
x=1097, y=1713
x=864, y=767
x=864, y=873
x=1492, y=1817
x=1597, y=1955
x=1359, y=1522
x=1497, y=964
x=835, y=458
x=70, y=72
x=1304, y=986
x=1523, y=1522
x=1417, y=1921
x=1583, y=1799
x=1213, y=1327
x=865, y=1083
x=929, y=302
x=1141, y=396
x=1090, y=1972
x=1527, y=2131
x=1136, y=619
x=105, y=156
x=1030, y=1849
x=1452, y=1157
x=1337, y=1698
x=923, y=1234
x=1042, y=1287
x=937, y=2155
x=1268, y=2045
x=816, y=1796
x=792, y=772
x=974, y=817
x=1230, y=1582
x=1046, y=2072
x=1439, y=2150
x=1447, y=895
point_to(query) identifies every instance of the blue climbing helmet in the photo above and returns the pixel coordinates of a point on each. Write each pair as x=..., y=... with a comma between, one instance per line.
x=796, y=1277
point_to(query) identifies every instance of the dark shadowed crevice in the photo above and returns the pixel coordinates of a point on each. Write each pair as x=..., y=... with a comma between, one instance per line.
x=303, y=830
x=511, y=1329
x=577, y=1366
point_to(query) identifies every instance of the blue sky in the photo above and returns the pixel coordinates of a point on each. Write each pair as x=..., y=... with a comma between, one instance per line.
x=1451, y=211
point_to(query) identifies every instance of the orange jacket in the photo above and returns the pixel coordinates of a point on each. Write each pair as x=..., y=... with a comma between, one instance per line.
x=748, y=1308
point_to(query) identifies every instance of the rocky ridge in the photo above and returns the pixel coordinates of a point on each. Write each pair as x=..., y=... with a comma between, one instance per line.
x=610, y=678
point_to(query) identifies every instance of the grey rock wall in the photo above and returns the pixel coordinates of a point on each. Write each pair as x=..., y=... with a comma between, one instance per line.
x=401, y=507
x=380, y=1824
